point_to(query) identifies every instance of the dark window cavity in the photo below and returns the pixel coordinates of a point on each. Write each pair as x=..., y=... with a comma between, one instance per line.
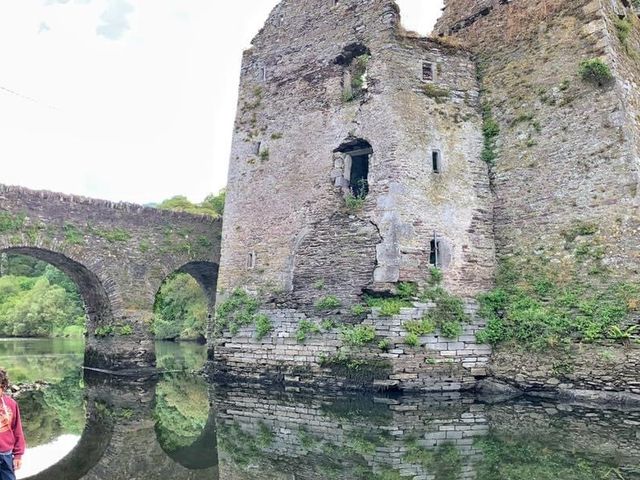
x=436, y=161
x=427, y=71
x=434, y=253
x=356, y=170
x=354, y=60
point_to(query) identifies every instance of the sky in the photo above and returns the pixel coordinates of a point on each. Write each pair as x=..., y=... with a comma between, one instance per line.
x=128, y=100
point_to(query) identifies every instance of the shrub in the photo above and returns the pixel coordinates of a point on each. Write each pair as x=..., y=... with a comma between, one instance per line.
x=305, y=328
x=238, y=310
x=407, y=290
x=358, y=310
x=538, y=311
x=330, y=302
x=384, y=345
x=420, y=328
x=411, y=340
x=358, y=336
x=263, y=326
x=389, y=306
x=353, y=202
x=448, y=314
x=595, y=71
x=328, y=324
x=623, y=30
x=490, y=130
x=439, y=94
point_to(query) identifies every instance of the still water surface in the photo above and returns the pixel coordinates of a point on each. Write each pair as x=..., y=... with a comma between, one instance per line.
x=179, y=427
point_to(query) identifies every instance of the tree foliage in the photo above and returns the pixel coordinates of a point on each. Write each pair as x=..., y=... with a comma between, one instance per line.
x=38, y=300
x=180, y=310
x=212, y=205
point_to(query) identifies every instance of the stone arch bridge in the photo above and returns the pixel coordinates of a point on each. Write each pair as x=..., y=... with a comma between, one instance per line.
x=118, y=254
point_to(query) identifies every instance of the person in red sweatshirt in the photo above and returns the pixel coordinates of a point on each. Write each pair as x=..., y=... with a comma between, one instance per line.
x=12, y=443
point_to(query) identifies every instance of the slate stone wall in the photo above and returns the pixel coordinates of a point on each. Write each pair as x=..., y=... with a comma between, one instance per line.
x=323, y=358
x=118, y=254
x=581, y=368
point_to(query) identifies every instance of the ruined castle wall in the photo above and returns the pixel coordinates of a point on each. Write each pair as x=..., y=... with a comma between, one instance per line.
x=565, y=153
x=454, y=203
x=323, y=358
x=283, y=202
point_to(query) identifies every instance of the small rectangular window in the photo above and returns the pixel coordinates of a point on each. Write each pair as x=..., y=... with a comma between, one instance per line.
x=435, y=161
x=263, y=74
x=434, y=254
x=427, y=71
x=251, y=261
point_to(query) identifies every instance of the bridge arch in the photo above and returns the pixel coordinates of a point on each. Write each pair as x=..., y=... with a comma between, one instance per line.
x=98, y=294
x=119, y=254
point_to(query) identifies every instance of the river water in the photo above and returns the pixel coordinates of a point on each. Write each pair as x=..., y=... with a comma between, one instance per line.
x=91, y=427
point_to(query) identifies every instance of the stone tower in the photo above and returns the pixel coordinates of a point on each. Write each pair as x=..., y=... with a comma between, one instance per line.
x=356, y=159
x=566, y=169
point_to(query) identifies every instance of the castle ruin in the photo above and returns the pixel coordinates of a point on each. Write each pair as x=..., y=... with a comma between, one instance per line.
x=366, y=157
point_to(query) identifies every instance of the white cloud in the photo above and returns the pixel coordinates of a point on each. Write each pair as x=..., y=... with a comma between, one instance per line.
x=139, y=119
x=114, y=21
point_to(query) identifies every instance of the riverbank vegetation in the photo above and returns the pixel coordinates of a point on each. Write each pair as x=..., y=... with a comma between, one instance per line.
x=180, y=311
x=38, y=300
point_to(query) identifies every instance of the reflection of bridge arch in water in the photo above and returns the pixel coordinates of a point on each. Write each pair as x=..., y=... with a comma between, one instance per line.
x=201, y=450
x=119, y=441
x=191, y=456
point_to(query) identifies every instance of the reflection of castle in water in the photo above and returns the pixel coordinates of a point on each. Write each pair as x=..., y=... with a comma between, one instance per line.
x=252, y=434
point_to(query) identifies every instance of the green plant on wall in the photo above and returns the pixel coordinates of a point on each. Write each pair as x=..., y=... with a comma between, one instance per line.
x=536, y=306
x=490, y=132
x=595, y=71
x=623, y=31
x=306, y=328
x=330, y=302
x=238, y=310
x=358, y=335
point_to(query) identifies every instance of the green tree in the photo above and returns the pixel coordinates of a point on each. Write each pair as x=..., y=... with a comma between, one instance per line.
x=180, y=309
x=212, y=205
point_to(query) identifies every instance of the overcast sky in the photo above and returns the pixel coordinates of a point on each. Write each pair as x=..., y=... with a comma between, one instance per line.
x=128, y=100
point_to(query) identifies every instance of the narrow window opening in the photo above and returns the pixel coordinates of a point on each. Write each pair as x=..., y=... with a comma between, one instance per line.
x=427, y=71
x=251, y=261
x=434, y=254
x=263, y=73
x=356, y=169
x=435, y=161
x=256, y=148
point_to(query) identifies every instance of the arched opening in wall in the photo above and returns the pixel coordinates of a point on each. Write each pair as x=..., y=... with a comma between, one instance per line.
x=354, y=60
x=48, y=305
x=182, y=316
x=354, y=159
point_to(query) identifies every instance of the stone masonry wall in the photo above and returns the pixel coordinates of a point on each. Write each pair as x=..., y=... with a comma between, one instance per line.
x=567, y=152
x=435, y=364
x=582, y=368
x=118, y=254
x=292, y=117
